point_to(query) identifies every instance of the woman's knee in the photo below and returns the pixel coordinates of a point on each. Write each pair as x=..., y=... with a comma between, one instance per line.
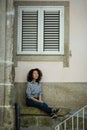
x=43, y=105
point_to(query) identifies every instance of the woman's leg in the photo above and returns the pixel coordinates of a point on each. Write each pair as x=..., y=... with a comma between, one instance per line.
x=45, y=107
x=42, y=106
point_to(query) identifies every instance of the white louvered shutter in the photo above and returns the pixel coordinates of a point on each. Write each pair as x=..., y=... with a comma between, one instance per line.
x=40, y=30
x=51, y=31
x=29, y=31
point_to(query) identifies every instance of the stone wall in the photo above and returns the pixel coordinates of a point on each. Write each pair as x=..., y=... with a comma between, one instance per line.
x=68, y=95
x=6, y=65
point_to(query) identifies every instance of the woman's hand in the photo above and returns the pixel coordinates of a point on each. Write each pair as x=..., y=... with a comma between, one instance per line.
x=40, y=99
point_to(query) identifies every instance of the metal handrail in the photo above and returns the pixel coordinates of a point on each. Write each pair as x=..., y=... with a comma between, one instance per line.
x=72, y=122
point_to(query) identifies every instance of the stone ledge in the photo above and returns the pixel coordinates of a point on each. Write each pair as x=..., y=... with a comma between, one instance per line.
x=24, y=110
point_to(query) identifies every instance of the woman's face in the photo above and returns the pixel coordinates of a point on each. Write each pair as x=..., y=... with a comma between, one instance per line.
x=35, y=75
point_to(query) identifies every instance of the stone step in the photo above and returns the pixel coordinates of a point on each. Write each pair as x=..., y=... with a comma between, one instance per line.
x=37, y=128
x=35, y=119
x=35, y=111
x=31, y=116
x=40, y=121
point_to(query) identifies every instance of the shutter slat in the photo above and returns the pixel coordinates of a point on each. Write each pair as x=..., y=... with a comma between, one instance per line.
x=51, y=30
x=29, y=30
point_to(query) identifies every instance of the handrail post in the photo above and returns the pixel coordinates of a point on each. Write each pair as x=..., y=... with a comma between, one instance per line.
x=83, y=119
x=77, y=121
x=17, y=116
x=72, y=123
x=65, y=125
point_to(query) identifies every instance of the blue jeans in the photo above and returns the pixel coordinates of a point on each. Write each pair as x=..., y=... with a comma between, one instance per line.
x=43, y=106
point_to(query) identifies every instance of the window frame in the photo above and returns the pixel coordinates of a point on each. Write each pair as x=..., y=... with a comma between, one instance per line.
x=44, y=58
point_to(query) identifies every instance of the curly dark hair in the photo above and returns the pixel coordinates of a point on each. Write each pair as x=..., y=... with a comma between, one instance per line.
x=30, y=75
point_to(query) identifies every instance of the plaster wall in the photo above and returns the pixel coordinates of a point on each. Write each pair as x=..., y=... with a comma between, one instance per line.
x=54, y=71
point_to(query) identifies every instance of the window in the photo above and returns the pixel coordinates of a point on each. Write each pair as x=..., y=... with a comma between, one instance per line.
x=37, y=36
x=40, y=30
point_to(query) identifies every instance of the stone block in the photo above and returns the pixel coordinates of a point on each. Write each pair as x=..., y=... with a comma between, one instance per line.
x=2, y=128
x=1, y=73
x=9, y=118
x=8, y=95
x=38, y=121
x=28, y=121
x=1, y=95
x=1, y=116
x=45, y=121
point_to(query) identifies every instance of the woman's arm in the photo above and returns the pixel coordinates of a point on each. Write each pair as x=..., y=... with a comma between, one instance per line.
x=28, y=90
x=40, y=94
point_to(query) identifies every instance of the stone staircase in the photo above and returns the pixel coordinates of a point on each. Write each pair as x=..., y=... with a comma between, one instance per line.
x=34, y=119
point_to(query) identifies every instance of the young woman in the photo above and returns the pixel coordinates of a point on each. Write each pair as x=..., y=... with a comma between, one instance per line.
x=34, y=93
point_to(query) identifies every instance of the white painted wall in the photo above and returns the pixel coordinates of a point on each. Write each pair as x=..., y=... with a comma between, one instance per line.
x=77, y=70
